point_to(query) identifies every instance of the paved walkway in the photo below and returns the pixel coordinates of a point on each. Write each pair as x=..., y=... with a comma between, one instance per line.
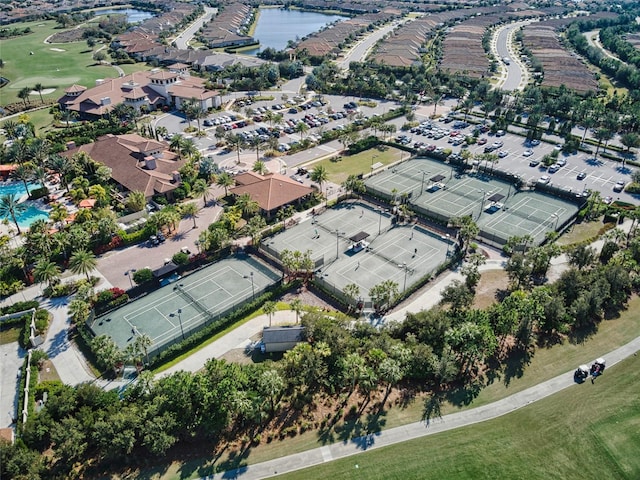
x=415, y=430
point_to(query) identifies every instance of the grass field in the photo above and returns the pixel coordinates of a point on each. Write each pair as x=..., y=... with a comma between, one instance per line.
x=338, y=171
x=48, y=66
x=584, y=432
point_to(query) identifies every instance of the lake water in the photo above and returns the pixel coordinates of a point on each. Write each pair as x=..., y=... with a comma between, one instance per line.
x=276, y=26
x=133, y=15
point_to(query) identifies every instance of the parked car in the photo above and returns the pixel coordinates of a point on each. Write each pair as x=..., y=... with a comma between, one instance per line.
x=554, y=168
x=562, y=162
x=482, y=141
x=534, y=163
x=619, y=186
x=607, y=200
x=545, y=179
x=502, y=153
x=528, y=152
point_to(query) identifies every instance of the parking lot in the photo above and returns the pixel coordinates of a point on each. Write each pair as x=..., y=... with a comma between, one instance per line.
x=581, y=171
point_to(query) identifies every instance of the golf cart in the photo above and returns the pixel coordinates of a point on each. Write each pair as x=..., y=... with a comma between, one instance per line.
x=597, y=368
x=581, y=373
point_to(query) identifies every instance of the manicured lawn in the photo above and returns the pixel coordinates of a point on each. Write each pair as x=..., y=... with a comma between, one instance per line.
x=581, y=232
x=9, y=334
x=338, y=171
x=584, y=432
x=47, y=66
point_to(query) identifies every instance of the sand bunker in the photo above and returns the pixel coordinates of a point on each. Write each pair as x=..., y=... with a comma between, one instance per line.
x=45, y=91
x=57, y=50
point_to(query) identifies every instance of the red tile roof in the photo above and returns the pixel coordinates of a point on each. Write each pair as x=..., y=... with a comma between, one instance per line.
x=270, y=191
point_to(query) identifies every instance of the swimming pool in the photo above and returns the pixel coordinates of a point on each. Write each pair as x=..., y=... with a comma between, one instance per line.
x=16, y=187
x=31, y=214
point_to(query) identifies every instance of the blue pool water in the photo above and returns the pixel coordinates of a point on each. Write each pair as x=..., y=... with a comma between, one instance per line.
x=31, y=214
x=15, y=188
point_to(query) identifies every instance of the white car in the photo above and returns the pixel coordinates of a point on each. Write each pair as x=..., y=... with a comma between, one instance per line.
x=619, y=186
x=527, y=153
x=502, y=153
x=543, y=180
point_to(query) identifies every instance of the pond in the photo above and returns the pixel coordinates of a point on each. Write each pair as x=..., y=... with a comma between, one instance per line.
x=276, y=26
x=133, y=15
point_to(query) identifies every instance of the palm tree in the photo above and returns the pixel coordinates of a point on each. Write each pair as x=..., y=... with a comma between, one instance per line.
x=39, y=174
x=136, y=201
x=63, y=166
x=301, y=128
x=259, y=167
x=190, y=210
x=142, y=343
x=296, y=306
x=11, y=208
x=269, y=308
x=39, y=88
x=46, y=271
x=224, y=180
x=24, y=95
x=67, y=116
x=319, y=175
x=176, y=143
x=237, y=142
x=24, y=173
x=83, y=261
x=200, y=189
x=247, y=205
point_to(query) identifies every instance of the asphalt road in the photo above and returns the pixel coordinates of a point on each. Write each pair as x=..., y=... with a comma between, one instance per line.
x=183, y=39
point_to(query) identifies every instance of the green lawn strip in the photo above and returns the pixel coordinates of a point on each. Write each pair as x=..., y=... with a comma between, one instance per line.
x=583, y=432
x=9, y=335
x=279, y=306
x=338, y=171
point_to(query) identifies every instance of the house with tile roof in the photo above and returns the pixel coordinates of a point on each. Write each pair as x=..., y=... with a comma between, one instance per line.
x=150, y=90
x=271, y=191
x=137, y=163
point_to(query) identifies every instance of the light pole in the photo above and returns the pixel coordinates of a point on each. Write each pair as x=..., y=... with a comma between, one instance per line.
x=338, y=232
x=404, y=286
x=179, y=312
x=253, y=290
x=380, y=210
x=422, y=184
x=128, y=274
x=484, y=193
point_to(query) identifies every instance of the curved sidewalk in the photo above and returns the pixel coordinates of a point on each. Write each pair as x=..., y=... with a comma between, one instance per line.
x=415, y=430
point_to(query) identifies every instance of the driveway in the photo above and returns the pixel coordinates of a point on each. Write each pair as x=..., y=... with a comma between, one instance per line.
x=115, y=264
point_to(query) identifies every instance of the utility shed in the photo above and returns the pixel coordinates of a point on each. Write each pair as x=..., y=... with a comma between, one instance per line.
x=281, y=339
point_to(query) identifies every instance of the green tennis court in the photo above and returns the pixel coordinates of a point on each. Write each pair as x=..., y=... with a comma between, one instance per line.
x=402, y=253
x=181, y=308
x=438, y=191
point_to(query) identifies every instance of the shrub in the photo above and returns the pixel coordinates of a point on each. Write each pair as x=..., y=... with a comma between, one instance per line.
x=143, y=275
x=180, y=258
x=39, y=193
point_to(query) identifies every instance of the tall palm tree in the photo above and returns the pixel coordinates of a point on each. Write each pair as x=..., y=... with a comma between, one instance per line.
x=176, y=143
x=67, y=116
x=83, y=261
x=24, y=173
x=39, y=88
x=46, y=271
x=296, y=306
x=11, y=208
x=39, y=174
x=200, y=189
x=190, y=210
x=224, y=180
x=63, y=166
x=319, y=175
x=237, y=142
x=24, y=95
x=136, y=201
x=269, y=308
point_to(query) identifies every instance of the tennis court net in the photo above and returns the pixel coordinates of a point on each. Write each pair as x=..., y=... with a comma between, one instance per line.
x=198, y=306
